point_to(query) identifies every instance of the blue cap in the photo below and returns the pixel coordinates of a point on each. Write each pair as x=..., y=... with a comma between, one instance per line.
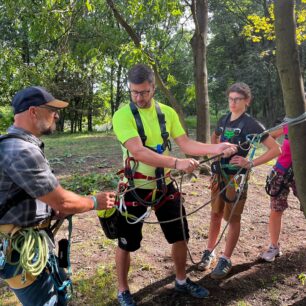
x=34, y=96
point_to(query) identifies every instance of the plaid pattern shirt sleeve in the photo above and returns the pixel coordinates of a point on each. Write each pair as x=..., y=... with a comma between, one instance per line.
x=24, y=166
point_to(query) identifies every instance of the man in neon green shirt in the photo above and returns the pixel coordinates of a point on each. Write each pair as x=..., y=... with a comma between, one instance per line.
x=150, y=151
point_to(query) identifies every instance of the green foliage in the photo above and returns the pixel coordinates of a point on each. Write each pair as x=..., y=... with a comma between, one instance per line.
x=91, y=183
x=6, y=118
x=302, y=278
x=260, y=27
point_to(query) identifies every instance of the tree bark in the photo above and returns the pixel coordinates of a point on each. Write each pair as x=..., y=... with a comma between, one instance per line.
x=287, y=60
x=199, y=9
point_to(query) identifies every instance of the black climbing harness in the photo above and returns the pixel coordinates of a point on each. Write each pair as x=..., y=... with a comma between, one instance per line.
x=130, y=171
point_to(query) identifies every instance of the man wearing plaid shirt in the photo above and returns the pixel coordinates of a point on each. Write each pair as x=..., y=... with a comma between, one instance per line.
x=30, y=193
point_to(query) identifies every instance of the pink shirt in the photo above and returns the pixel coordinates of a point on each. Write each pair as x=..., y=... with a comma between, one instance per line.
x=284, y=160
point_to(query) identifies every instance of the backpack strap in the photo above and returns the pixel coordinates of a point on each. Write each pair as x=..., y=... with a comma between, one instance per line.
x=17, y=197
x=12, y=135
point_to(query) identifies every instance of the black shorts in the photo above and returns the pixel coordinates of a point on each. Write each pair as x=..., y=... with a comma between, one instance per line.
x=130, y=235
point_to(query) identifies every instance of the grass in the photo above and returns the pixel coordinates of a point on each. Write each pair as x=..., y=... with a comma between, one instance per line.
x=99, y=289
x=90, y=183
x=81, y=145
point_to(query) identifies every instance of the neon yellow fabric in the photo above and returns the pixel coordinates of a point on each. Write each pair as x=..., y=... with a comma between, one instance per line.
x=125, y=128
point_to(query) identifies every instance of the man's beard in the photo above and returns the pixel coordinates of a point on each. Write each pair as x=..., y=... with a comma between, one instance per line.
x=47, y=130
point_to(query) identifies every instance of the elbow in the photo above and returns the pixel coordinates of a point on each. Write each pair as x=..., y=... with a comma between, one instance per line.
x=140, y=154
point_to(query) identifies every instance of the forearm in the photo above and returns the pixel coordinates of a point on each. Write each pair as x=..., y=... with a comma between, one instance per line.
x=196, y=148
x=67, y=202
x=267, y=156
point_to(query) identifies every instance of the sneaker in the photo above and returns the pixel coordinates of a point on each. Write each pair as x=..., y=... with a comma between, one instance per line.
x=125, y=299
x=271, y=254
x=192, y=288
x=207, y=259
x=222, y=269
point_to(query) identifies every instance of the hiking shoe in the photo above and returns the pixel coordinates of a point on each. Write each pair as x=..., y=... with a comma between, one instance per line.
x=192, y=288
x=125, y=299
x=222, y=269
x=271, y=253
x=207, y=259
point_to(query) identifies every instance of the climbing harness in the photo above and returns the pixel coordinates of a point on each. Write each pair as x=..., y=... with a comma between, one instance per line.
x=160, y=148
x=153, y=199
x=287, y=178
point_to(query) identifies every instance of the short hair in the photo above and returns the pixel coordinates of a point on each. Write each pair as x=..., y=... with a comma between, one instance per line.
x=240, y=88
x=141, y=73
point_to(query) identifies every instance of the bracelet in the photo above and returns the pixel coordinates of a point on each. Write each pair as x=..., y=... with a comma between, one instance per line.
x=175, y=162
x=95, y=202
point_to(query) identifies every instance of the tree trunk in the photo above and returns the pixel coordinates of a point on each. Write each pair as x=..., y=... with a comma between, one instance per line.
x=118, y=89
x=111, y=89
x=199, y=10
x=287, y=60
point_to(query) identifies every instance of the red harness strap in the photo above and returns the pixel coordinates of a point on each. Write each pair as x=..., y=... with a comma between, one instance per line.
x=138, y=175
x=170, y=197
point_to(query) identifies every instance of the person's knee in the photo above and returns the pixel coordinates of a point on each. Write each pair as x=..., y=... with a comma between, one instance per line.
x=216, y=216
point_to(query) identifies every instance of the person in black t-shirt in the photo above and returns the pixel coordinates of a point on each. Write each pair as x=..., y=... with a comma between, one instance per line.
x=233, y=127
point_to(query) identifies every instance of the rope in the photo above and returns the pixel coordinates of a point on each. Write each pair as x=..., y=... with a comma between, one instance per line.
x=32, y=245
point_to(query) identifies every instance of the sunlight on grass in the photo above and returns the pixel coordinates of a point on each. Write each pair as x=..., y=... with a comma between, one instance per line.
x=99, y=289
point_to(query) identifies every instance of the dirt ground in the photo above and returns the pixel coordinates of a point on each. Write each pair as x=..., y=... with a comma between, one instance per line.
x=251, y=282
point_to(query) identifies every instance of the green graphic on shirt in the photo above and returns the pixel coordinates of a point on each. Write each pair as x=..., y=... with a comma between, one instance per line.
x=229, y=133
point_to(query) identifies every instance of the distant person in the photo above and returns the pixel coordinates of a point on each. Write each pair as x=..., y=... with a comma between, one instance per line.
x=143, y=128
x=30, y=195
x=278, y=185
x=233, y=127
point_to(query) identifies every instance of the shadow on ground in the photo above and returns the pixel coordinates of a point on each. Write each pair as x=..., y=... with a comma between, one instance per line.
x=243, y=284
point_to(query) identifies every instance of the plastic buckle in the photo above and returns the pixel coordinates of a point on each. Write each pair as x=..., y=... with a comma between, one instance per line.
x=159, y=149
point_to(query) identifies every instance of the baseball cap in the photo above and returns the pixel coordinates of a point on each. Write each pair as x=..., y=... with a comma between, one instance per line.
x=34, y=96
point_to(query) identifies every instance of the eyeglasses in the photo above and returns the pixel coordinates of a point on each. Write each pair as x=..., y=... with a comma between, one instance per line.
x=50, y=108
x=135, y=93
x=235, y=100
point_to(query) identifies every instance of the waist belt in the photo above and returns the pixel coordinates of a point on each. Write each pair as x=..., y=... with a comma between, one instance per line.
x=17, y=282
x=12, y=228
x=138, y=175
x=169, y=197
x=281, y=169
